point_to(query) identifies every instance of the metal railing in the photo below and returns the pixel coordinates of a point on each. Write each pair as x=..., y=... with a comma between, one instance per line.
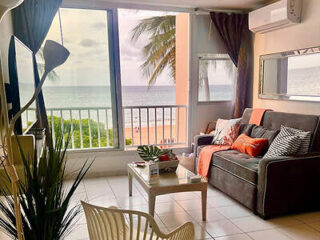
x=163, y=125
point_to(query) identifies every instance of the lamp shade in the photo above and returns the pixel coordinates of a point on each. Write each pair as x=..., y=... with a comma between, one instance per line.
x=54, y=55
x=6, y=5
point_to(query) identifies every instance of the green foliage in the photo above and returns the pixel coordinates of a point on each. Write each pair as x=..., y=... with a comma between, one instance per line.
x=45, y=200
x=94, y=126
x=151, y=153
x=160, y=51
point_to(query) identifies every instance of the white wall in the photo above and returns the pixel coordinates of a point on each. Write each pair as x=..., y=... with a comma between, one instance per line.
x=6, y=31
x=304, y=35
x=201, y=41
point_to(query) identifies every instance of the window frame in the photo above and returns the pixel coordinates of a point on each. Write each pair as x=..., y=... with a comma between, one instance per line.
x=115, y=77
x=210, y=56
x=114, y=38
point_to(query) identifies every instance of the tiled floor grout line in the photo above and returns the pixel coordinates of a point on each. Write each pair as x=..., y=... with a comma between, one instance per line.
x=318, y=230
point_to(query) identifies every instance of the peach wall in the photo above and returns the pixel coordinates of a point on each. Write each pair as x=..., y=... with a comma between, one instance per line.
x=182, y=69
x=182, y=58
x=306, y=34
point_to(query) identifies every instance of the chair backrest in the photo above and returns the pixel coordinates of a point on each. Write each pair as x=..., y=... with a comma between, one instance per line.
x=117, y=224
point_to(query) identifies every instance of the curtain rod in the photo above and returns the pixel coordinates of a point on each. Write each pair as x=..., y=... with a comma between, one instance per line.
x=222, y=10
x=98, y=4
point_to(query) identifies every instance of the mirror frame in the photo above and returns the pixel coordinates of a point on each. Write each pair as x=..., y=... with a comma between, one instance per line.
x=278, y=55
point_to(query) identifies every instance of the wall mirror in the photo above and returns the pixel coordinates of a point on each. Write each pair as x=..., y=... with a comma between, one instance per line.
x=292, y=75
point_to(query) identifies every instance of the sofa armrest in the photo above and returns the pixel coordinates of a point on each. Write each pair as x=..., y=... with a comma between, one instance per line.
x=200, y=140
x=288, y=185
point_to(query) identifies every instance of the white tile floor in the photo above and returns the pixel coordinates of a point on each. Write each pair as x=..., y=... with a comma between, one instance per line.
x=226, y=219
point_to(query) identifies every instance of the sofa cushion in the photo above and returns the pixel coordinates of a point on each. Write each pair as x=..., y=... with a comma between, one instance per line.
x=226, y=131
x=249, y=145
x=285, y=144
x=236, y=163
x=246, y=128
x=305, y=139
x=261, y=132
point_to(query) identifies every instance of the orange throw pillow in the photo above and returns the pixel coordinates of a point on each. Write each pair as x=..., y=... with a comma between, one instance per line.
x=248, y=145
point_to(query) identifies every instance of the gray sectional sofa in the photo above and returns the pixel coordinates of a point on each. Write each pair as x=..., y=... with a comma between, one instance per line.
x=269, y=187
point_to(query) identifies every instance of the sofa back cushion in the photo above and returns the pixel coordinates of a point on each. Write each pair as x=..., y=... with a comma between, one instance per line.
x=246, y=128
x=273, y=120
x=261, y=132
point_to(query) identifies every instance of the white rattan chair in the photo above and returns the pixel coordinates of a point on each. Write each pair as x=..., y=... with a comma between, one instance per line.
x=115, y=224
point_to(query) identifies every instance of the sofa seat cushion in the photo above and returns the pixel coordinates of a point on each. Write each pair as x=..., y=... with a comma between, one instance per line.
x=237, y=163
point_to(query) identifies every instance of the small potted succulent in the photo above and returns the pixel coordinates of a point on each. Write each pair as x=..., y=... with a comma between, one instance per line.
x=165, y=158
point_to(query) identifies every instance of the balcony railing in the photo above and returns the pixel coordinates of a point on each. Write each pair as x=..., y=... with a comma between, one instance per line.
x=163, y=125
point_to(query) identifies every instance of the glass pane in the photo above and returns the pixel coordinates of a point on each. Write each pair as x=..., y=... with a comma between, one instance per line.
x=304, y=75
x=151, y=90
x=24, y=67
x=78, y=94
x=216, y=77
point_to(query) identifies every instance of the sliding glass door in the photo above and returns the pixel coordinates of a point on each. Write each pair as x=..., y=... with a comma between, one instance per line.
x=81, y=95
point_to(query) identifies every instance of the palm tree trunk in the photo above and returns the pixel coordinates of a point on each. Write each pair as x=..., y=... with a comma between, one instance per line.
x=206, y=88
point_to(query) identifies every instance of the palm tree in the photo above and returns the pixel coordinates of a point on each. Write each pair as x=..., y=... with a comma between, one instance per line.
x=160, y=51
x=203, y=73
x=203, y=77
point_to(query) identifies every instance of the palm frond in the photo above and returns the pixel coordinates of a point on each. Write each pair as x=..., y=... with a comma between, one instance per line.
x=167, y=60
x=159, y=52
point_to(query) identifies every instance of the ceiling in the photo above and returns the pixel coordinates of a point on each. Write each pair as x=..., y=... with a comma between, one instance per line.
x=207, y=4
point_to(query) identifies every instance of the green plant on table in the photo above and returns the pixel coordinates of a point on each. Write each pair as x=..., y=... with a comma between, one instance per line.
x=44, y=198
x=154, y=153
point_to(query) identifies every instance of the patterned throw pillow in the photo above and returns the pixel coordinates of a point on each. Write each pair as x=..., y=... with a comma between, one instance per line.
x=304, y=136
x=226, y=131
x=285, y=144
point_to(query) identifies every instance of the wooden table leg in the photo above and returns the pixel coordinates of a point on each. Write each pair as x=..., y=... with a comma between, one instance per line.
x=152, y=202
x=204, y=204
x=130, y=184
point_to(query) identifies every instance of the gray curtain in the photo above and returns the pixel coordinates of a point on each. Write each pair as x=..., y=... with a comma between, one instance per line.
x=234, y=31
x=31, y=21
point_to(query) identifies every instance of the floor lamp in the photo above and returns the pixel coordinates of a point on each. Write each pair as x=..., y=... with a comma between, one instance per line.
x=6, y=6
x=54, y=55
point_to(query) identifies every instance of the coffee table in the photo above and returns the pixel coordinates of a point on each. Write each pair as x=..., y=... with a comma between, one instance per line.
x=169, y=183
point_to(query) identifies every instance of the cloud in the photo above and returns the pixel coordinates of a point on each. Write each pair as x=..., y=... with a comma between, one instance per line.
x=88, y=43
x=99, y=25
x=130, y=50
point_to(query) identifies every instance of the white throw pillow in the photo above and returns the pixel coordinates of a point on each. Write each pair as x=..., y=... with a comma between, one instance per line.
x=226, y=131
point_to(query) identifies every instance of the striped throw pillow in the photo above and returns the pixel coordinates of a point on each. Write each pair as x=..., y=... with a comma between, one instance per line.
x=304, y=136
x=285, y=144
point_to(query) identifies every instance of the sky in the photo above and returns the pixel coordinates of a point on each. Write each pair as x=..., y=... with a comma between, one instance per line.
x=85, y=36
x=305, y=61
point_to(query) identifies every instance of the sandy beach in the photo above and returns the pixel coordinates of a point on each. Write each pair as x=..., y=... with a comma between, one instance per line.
x=152, y=134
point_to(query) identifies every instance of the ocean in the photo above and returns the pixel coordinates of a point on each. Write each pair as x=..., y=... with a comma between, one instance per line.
x=100, y=96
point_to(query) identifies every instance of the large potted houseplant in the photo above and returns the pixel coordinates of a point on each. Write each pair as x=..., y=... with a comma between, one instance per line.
x=44, y=198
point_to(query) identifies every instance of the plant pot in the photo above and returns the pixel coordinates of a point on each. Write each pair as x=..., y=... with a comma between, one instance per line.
x=168, y=166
